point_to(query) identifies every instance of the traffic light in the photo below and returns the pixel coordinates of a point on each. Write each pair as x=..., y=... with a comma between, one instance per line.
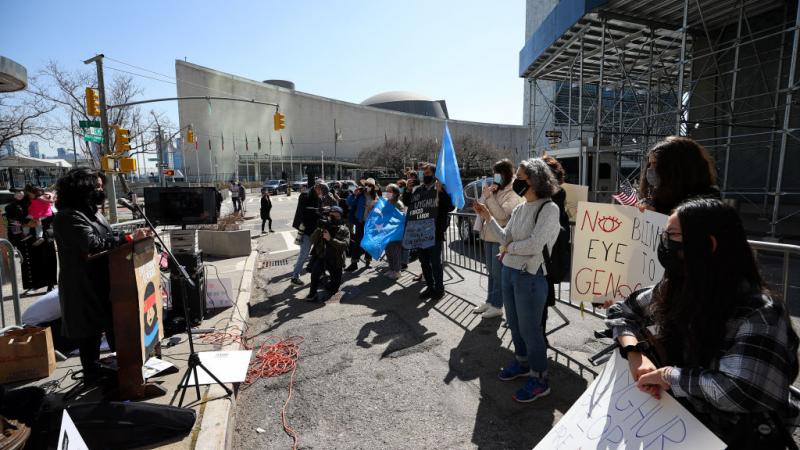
x=108, y=163
x=169, y=172
x=122, y=140
x=190, y=135
x=279, y=120
x=92, y=102
x=127, y=165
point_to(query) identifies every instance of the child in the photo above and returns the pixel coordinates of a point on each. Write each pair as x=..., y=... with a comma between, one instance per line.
x=41, y=207
x=394, y=250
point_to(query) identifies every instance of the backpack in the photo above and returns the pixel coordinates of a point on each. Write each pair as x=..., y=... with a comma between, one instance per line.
x=558, y=263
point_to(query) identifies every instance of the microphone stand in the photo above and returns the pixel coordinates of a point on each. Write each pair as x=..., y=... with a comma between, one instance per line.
x=194, y=358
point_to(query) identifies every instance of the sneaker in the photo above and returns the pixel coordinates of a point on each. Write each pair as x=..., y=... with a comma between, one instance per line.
x=492, y=312
x=481, y=309
x=392, y=275
x=311, y=297
x=418, y=277
x=426, y=294
x=514, y=371
x=532, y=390
x=296, y=281
x=438, y=295
x=367, y=262
x=351, y=268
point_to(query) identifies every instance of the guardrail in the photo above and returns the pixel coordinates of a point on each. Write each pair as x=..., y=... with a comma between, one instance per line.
x=8, y=272
x=129, y=226
x=464, y=249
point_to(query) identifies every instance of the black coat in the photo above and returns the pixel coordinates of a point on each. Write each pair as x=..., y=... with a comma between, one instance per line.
x=83, y=284
x=442, y=212
x=266, y=207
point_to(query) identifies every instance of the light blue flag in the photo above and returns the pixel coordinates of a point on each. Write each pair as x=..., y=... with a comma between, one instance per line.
x=384, y=224
x=447, y=170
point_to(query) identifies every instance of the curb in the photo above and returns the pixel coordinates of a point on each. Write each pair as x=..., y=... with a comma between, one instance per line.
x=217, y=420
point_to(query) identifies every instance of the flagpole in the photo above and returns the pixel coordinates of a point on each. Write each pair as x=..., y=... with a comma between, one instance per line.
x=197, y=159
x=282, y=156
x=210, y=165
x=235, y=160
x=291, y=157
x=271, y=177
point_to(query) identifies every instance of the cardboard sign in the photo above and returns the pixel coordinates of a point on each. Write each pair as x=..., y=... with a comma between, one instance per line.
x=148, y=283
x=219, y=292
x=421, y=219
x=614, y=413
x=228, y=367
x=69, y=438
x=26, y=354
x=575, y=193
x=614, y=251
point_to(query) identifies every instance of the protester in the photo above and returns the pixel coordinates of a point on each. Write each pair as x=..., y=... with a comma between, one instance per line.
x=394, y=249
x=326, y=197
x=500, y=199
x=305, y=221
x=16, y=213
x=266, y=207
x=430, y=258
x=82, y=231
x=39, y=260
x=360, y=202
x=411, y=184
x=724, y=347
x=40, y=208
x=678, y=168
x=532, y=225
x=234, y=190
x=330, y=241
x=242, y=204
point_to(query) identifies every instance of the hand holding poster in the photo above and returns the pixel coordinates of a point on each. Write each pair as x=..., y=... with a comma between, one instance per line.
x=614, y=251
x=575, y=194
x=384, y=224
x=614, y=413
x=420, y=229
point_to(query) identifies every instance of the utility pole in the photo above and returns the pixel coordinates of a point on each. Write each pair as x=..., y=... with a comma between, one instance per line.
x=74, y=148
x=322, y=175
x=111, y=191
x=335, y=142
x=160, y=166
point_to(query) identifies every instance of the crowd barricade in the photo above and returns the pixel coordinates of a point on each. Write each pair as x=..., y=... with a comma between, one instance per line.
x=9, y=275
x=129, y=226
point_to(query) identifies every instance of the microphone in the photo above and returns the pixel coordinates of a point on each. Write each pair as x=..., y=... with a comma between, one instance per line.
x=125, y=203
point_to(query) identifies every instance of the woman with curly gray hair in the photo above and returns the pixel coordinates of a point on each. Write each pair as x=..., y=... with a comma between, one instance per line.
x=533, y=224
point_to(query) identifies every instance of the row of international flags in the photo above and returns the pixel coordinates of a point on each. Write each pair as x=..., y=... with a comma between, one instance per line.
x=246, y=143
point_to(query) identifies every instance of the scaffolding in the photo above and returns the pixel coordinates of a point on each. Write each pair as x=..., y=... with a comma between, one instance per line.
x=620, y=75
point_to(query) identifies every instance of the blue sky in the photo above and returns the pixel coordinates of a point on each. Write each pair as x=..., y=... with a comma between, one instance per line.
x=462, y=51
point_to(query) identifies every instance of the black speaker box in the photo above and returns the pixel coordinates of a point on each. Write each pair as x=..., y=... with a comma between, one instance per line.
x=195, y=296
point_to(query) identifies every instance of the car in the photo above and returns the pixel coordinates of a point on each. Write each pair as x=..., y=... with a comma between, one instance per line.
x=467, y=216
x=276, y=186
x=301, y=183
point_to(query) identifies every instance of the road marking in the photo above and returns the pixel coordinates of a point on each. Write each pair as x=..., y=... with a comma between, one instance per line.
x=288, y=238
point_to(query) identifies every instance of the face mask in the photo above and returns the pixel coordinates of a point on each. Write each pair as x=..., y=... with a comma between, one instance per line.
x=427, y=179
x=97, y=197
x=498, y=179
x=652, y=177
x=402, y=191
x=520, y=187
x=669, y=258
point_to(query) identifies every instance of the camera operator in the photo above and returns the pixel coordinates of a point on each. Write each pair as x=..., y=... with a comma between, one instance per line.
x=330, y=241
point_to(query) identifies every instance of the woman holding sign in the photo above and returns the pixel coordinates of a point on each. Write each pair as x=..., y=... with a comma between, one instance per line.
x=533, y=224
x=724, y=347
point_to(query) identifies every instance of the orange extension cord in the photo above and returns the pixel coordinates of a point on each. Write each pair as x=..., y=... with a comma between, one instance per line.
x=274, y=357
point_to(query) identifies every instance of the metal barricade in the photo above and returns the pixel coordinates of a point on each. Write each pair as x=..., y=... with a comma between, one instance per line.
x=128, y=227
x=9, y=274
x=463, y=247
x=766, y=253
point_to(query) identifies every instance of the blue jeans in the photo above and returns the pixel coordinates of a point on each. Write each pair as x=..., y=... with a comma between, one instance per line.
x=305, y=248
x=525, y=298
x=430, y=259
x=494, y=294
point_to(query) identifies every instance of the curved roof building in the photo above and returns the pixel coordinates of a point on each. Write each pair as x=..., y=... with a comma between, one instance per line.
x=408, y=102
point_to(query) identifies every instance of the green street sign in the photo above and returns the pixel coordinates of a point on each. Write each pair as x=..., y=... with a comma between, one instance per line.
x=95, y=139
x=89, y=123
x=152, y=159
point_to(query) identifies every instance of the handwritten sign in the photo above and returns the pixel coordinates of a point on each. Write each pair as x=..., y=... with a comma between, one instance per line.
x=69, y=438
x=218, y=293
x=575, y=193
x=614, y=252
x=421, y=219
x=614, y=413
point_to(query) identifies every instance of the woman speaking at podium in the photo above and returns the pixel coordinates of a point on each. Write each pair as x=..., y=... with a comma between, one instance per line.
x=81, y=230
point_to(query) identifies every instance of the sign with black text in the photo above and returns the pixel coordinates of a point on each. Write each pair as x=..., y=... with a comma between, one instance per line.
x=615, y=251
x=421, y=219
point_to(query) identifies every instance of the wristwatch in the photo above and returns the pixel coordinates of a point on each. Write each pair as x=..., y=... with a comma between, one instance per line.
x=640, y=347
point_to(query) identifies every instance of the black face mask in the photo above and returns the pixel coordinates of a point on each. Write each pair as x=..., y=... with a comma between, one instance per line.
x=427, y=179
x=520, y=187
x=668, y=256
x=97, y=197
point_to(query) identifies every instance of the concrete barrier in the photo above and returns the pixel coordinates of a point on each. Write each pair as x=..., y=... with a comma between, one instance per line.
x=226, y=244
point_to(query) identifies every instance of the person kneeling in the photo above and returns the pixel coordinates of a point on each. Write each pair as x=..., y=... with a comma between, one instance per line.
x=330, y=242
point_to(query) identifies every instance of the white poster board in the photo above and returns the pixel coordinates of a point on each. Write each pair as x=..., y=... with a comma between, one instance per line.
x=69, y=438
x=575, y=193
x=219, y=292
x=615, y=251
x=228, y=367
x=614, y=413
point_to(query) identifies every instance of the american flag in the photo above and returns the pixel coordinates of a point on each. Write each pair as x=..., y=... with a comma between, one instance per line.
x=627, y=194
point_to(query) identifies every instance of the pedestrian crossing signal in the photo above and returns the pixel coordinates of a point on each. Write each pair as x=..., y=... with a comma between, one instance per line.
x=169, y=172
x=279, y=121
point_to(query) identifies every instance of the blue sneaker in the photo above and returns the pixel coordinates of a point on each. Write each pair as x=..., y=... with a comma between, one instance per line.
x=532, y=390
x=515, y=370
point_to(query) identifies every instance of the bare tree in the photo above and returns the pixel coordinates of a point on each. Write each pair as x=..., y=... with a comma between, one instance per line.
x=24, y=114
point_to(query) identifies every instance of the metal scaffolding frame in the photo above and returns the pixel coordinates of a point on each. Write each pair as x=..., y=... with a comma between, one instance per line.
x=631, y=72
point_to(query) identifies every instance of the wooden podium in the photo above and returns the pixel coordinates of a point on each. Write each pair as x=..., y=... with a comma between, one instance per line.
x=136, y=306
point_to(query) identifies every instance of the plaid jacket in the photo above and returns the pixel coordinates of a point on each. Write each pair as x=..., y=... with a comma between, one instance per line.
x=755, y=368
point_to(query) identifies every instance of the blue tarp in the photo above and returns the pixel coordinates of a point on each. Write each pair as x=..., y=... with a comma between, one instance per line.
x=384, y=224
x=447, y=170
x=565, y=14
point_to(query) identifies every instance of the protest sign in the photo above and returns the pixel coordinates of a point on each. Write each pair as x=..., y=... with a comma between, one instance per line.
x=384, y=224
x=614, y=413
x=219, y=292
x=69, y=438
x=575, y=193
x=420, y=229
x=614, y=252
